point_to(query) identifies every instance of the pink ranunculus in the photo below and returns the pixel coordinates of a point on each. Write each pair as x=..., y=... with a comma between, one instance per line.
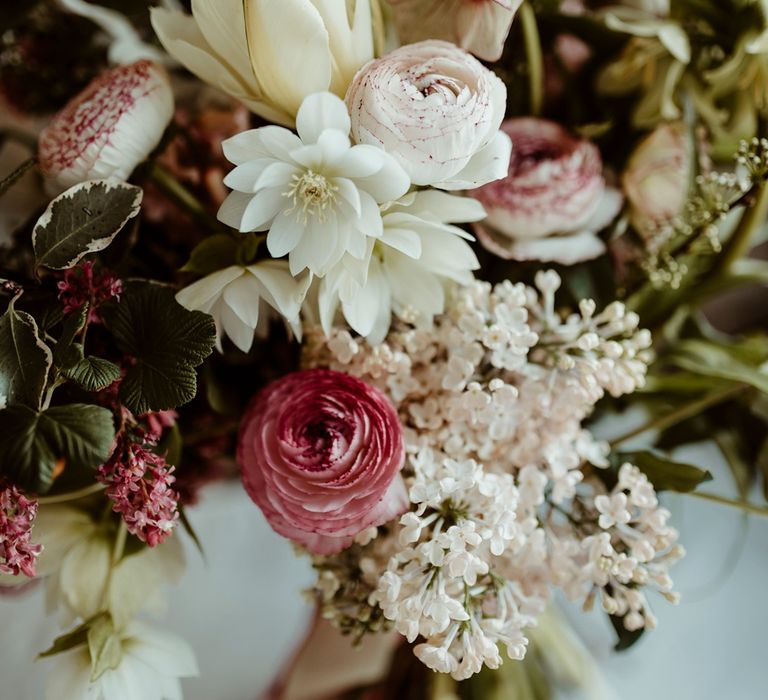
x=109, y=128
x=437, y=110
x=320, y=453
x=553, y=201
x=479, y=26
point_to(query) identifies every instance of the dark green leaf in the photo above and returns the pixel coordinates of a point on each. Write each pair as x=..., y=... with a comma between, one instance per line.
x=80, y=435
x=85, y=219
x=77, y=637
x=73, y=325
x=666, y=475
x=104, y=647
x=166, y=343
x=213, y=254
x=93, y=373
x=24, y=359
x=626, y=638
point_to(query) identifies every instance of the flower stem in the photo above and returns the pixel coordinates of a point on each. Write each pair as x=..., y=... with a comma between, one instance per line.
x=738, y=244
x=181, y=196
x=683, y=413
x=745, y=506
x=12, y=178
x=534, y=56
x=71, y=496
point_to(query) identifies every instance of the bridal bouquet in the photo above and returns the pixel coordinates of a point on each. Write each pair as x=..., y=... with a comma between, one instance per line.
x=404, y=265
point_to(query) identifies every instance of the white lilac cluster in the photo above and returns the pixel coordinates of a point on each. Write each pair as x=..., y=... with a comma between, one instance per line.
x=506, y=484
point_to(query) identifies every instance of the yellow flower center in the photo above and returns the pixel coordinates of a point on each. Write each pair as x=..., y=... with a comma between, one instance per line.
x=312, y=194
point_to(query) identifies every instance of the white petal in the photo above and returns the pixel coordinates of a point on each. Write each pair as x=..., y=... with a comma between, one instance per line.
x=413, y=286
x=284, y=292
x=360, y=161
x=164, y=652
x=223, y=25
x=242, y=297
x=566, y=250
x=407, y=241
x=608, y=209
x=244, y=177
x=441, y=206
x=319, y=112
x=262, y=209
x=390, y=182
x=284, y=234
x=349, y=193
x=70, y=676
x=328, y=303
x=233, y=207
x=289, y=50
x=239, y=332
x=488, y=164
x=84, y=575
x=333, y=145
x=370, y=222
x=372, y=300
x=266, y=142
x=199, y=295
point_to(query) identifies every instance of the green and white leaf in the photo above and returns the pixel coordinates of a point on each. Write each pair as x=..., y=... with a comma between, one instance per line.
x=104, y=646
x=79, y=434
x=84, y=219
x=25, y=359
x=166, y=342
x=93, y=373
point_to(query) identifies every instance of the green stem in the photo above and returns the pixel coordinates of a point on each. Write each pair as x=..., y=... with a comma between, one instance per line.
x=182, y=197
x=71, y=496
x=737, y=245
x=682, y=413
x=534, y=55
x=12, y=178
x=745, y=506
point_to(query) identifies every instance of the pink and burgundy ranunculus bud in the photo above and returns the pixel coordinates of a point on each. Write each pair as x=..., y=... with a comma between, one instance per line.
x=109, y=128
x=554, y=199
x=320, y=453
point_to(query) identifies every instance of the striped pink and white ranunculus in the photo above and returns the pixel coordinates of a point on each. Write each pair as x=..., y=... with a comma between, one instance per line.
x=109, y=128
x=437, y=110
x=554, y=199
x=320, y=453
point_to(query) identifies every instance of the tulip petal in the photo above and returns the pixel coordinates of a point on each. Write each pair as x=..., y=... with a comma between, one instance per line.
x=282, y=36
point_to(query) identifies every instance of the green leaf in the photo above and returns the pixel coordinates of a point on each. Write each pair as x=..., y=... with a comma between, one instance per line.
x=723, y=361
x=77, y=637
x=104, y=647
x=73, y=325
x=187, y=525
x=213, y=254
x=24, y=359
x=85, y=219
x=666, y=475
x=166, y=343
x=93, y=373
x=77, y=435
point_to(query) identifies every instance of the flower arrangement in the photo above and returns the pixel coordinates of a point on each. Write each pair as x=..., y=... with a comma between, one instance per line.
x=403, y=266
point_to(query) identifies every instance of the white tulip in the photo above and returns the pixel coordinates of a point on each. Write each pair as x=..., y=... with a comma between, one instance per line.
x=437, y=110
x=240, y=299
x=109, y=128
x=270, y=54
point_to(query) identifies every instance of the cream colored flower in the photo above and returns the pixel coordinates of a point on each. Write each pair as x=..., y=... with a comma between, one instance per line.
x=657, y=177
x=271, y=54
x=479, y=26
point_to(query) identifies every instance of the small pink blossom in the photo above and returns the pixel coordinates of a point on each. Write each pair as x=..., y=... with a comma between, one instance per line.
x=140, y=484
x=554, y=199
x=17, y=516
x=320, y=453
x=83, y=285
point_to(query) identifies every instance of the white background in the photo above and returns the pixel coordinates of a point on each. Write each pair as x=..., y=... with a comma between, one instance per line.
x=242, y=610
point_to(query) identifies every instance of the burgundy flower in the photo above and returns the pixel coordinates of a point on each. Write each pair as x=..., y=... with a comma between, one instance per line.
x=320, y=453
x=83, y=285
x=554, y=199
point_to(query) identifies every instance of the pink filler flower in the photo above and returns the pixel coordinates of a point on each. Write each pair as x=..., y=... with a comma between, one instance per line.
x=17, y=516
x=320, y=453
